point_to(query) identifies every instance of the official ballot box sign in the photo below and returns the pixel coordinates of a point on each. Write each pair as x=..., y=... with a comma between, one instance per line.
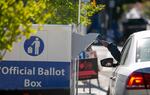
x=39, y=62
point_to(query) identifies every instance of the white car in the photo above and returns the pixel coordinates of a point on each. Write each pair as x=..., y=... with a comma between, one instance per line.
x=132, y=75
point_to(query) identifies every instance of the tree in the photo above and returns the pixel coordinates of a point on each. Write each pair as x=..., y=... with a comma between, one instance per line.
x=63, y=11
x=66, y=11
x=23, y=13
x=18, y=13
x=88, y=10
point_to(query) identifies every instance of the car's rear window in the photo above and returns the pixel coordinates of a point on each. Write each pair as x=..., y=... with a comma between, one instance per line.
x=143, y=51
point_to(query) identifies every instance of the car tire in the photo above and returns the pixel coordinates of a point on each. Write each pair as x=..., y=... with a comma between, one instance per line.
x=108, y=92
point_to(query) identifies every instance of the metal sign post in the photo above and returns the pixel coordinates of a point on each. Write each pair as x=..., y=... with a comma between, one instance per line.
x=79, y=44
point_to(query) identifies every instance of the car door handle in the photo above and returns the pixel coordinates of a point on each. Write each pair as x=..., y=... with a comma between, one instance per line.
x=113, y=78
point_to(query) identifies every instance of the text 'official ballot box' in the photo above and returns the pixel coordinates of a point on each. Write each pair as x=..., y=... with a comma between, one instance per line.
x=42, y=64
x=39, y=65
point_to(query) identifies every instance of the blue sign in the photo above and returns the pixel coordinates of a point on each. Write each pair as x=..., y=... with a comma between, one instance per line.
x=17, y=75
x=34, y=46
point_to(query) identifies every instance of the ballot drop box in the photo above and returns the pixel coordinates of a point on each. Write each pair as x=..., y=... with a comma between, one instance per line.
x=40, y=64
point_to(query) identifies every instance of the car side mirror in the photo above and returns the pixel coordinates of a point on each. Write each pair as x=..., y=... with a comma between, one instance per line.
x=107, y=62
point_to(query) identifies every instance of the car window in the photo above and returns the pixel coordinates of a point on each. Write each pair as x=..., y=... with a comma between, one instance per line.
x=143, y=51
x=125, y=51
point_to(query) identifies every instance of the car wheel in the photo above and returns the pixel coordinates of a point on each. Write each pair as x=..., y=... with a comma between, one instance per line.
x=108, y=92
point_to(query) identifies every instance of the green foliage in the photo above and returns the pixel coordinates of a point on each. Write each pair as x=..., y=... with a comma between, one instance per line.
x=66, y=11
x=88, y=10
x=63, y=11
x=17, y=17
x=18, y=13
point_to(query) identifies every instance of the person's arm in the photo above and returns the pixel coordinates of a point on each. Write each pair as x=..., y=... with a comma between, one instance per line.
x=112, y=49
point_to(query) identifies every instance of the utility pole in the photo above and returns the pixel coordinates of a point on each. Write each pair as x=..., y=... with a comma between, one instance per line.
x=79, y=11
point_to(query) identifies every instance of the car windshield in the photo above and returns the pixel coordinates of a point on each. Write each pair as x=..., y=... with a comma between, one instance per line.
x=143, y=51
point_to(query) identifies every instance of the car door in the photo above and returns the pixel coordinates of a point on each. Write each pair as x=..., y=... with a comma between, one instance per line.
x=115, y=81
